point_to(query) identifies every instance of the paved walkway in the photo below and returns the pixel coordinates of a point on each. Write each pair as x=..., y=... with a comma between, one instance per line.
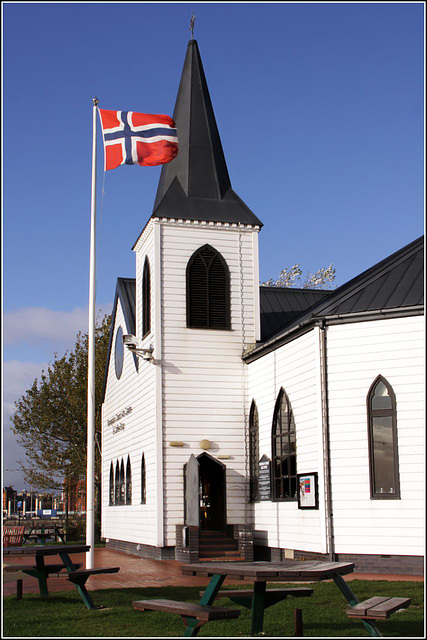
x=140, y=572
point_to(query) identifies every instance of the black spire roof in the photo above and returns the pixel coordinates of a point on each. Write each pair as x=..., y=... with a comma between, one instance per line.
x=196, y=184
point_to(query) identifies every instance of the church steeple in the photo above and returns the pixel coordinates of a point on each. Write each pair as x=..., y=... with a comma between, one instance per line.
x=196, y=184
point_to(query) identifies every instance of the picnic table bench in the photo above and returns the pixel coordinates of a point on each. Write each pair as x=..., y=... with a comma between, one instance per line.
x=377, y=608
x=193, y=615
x=271, y=596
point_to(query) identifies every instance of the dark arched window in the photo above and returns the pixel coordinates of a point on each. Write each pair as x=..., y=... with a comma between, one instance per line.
x=253, y=451
x=208, y=290
x=143, y=479
x=146, y=299
x=128, y=482
x=382, y=437
x=284, y=450
x=111, y=484
x=122, y=483
x=117, y=485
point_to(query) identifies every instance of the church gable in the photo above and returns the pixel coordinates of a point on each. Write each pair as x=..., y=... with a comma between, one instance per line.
x=124, y=300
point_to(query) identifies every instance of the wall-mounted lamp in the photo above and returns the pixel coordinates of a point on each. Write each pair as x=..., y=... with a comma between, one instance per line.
x=131, y=342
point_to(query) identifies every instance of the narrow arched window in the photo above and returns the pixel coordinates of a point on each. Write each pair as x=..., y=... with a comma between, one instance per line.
x=122, y=483
x=382, y=432
x=117, y=484
x=146, y=299
x=253, y=452
x=111, y=499
x=284, y=458
x=143, y=479
x=128, y=482
x=208, y=290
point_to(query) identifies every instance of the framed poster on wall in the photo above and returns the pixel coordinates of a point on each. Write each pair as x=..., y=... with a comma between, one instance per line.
x=308, y=493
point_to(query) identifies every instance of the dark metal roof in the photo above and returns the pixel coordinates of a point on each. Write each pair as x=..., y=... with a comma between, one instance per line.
x=125, y=292
x=280, y=305
x=394, y=286
x=394, y=283
x=196, y=184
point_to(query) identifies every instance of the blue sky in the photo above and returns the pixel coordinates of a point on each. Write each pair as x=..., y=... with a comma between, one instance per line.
x=320, y=108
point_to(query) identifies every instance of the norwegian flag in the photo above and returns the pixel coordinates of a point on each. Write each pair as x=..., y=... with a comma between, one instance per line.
x=137, y=138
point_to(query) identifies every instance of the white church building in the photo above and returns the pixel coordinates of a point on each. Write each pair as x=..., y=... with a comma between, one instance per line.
x=243, y=421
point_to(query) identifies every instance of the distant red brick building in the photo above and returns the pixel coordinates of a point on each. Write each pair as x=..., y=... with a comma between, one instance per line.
x=73, y=496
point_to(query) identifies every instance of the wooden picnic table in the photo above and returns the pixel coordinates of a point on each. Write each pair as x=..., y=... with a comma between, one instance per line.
x=42, y=532
x=262, y=572
x=42, y=570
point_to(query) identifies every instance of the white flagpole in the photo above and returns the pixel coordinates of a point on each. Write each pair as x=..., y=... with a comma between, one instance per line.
x=90, y=473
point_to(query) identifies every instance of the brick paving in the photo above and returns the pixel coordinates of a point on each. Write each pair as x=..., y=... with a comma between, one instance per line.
x=140, y=572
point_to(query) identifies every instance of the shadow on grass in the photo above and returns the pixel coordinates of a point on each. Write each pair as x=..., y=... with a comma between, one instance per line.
x=63, y=614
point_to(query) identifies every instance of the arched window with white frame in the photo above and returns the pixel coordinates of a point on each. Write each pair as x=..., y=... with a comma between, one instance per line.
x=283, y=446
x=382, y=438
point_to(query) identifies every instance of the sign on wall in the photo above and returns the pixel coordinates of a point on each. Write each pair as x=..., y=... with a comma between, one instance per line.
x=264, y=478
x=308, y=494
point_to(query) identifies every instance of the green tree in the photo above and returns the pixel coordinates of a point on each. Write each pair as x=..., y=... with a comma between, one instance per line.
x=50, y=419
x=290, y=277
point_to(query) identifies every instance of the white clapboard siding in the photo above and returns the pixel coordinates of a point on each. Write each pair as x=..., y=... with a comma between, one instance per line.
x=135, y=522
x=293, y=367
x=357, y=354
x=203, y=373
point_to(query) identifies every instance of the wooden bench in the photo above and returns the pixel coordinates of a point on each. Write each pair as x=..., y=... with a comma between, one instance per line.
x=377, y=608
x=271, y=595
x=80, y=576
x=196, y=614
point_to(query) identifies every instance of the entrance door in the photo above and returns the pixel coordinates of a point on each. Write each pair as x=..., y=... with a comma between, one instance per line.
x=211, y=493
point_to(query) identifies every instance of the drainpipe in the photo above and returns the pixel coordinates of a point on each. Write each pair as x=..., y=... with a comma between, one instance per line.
x=326, y=442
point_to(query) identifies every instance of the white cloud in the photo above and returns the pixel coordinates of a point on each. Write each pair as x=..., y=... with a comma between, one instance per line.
x=17, y=379
x=31, y=325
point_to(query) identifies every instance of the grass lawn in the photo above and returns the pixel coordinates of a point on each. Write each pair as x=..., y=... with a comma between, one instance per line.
x=63, y=614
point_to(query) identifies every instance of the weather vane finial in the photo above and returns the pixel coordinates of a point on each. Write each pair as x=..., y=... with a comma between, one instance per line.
x=191, y=27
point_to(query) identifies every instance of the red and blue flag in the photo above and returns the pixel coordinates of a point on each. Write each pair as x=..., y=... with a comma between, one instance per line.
x=137, y=138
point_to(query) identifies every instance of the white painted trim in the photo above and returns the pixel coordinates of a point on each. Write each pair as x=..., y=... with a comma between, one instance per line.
x=159, y=404
x=321, y=443
x=257, y=308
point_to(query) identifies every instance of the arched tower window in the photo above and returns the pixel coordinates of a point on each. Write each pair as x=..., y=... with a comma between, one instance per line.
x=143, y=479
x=128, y=482
x=146, y=299
x=382, y=438
x=253, y=451
x=284, y=458
x=111, y=484
x=208, y=290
